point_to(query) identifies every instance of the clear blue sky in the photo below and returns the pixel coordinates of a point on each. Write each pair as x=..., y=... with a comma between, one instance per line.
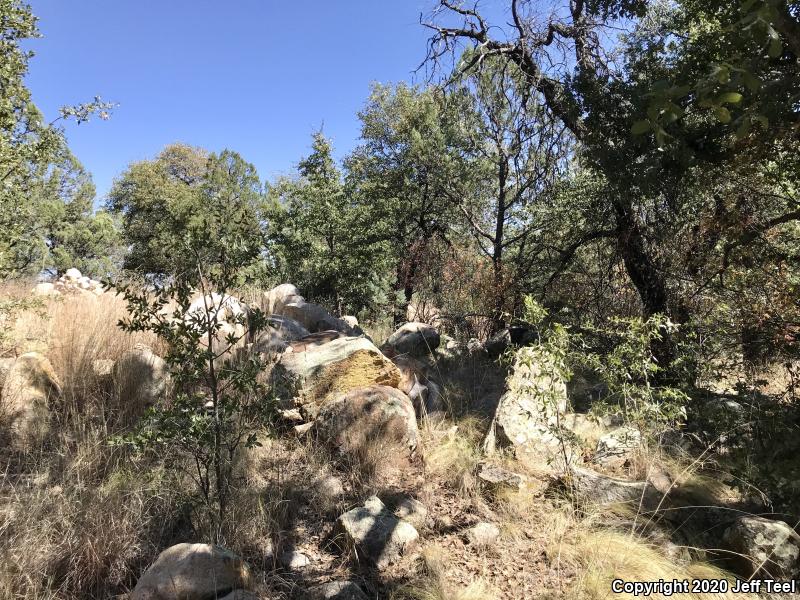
x=256, y=76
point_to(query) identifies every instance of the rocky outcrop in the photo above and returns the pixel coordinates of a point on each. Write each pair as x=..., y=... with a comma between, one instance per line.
x=760, y=547
x=528, y=413
x=418, y=385
x=71, y=282
x=313, y=373
x=375, y=534
x=29, y=388
x=364, y=417
x=140, y=378
x=192, y=572
x=415, y=339
x=286, y=300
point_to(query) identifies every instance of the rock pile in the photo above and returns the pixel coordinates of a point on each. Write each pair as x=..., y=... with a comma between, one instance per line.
x=71, y=282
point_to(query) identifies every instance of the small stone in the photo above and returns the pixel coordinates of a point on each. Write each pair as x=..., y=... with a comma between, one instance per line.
x=497, y=476
x=293, y=560
x=337, y=590
x=483, y=535
x=377, y=535
x=72, y=274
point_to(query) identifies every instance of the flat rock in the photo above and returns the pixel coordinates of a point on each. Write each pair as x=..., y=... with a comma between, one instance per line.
x=192, y=572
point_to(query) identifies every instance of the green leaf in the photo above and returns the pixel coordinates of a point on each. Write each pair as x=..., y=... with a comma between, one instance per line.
x=729, y=98
x=752, y=82
x=762, y=120
x=723, y=115
x=640, y=127
x=775, y=48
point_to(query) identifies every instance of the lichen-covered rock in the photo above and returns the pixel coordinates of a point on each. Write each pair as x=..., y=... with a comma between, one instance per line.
x=617, y=446
x=366, y=417
x=376, y=535
x=528, y=413
x=311, y=374
x=28, y=390
x=496, y=477
x=595, y=488
x=192, y=572
x=760, y=546
x=416, y=339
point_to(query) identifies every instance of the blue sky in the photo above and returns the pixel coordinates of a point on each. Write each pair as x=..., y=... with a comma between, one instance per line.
x=256, y=76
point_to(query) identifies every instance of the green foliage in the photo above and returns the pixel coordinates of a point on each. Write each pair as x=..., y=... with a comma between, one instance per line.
x=218, y=402
x=31, y=154
x=182, y=196
x=322, y=237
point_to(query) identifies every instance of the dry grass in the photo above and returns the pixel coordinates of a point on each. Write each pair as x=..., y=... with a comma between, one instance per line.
x=452, y=452
x=432, y=583
x=600, y=556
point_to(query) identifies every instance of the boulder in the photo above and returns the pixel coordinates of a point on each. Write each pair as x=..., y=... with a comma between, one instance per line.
x=376, y=414
x=416, y=339
x=483, y=535
x=289, y=329
x=312, y=373
x=72, y=274
x=617, y=446
x=415, y=382
x=337, y=590
x=595, y=488
x=192, y=572
x=228, y=317
x=315, y=318
x=29, y=387
x=763, y=548
x=45, y=289
x=273, y=301
x=375, y=534
x=511, y=336
x=140, y=378
x=350, y=320
x=529, y=411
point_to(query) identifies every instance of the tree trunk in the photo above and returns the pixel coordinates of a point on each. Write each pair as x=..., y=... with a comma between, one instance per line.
x=649, y=281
